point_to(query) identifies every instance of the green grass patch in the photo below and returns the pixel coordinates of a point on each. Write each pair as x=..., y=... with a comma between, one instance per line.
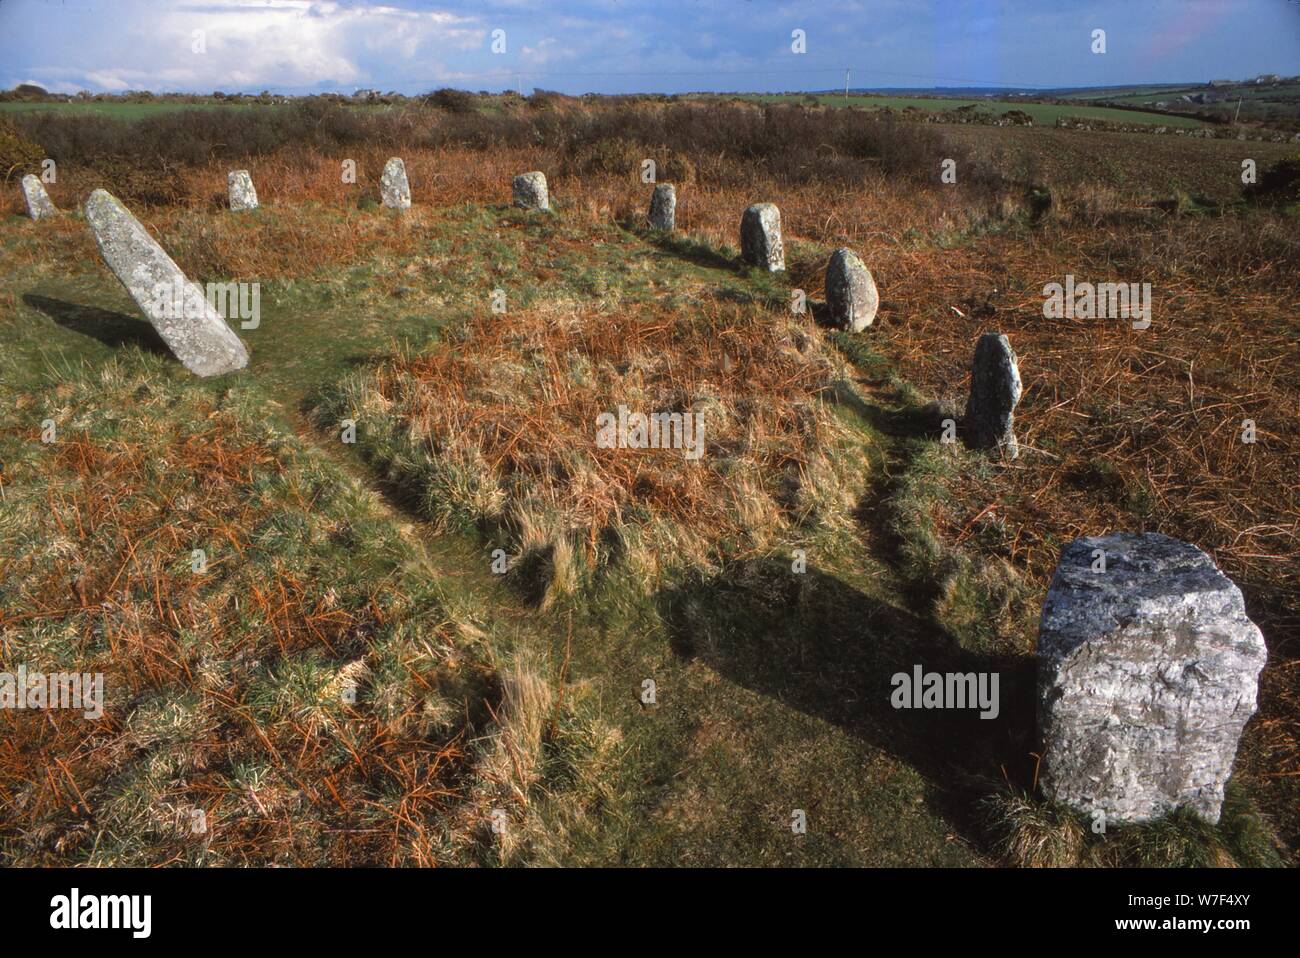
x=1044, y=114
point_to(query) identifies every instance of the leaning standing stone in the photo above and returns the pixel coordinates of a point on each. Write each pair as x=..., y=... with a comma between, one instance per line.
x=663, y=207
x=394, y=190
x=994, y=391
x=851, y=295
x=242, y=194
x=177, y=308
x=39, y=205
x=1147, y=673
x=760, y=237
x=528, y=190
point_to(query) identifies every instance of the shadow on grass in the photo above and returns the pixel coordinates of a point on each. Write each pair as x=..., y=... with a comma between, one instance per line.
x=819, y=645
x=111, y=328
x=907, y=422
x=683, y=247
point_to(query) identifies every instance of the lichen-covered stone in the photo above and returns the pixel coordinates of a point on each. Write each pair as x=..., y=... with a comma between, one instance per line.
x=197, y=334
x=1147, y=672
x=760, y=237
x=242, y=194
x=39, y=204
x=663, y=207
x=994, y=391
x=528, y=190
x=394, y=190
x=851, y=296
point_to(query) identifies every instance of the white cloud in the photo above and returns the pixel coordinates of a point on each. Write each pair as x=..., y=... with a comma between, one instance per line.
x=267, y=43
x=546, y=50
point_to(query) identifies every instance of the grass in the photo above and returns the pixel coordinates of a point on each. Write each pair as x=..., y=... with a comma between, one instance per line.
x=1032, y=833
x=477, y=694
x=305, y=694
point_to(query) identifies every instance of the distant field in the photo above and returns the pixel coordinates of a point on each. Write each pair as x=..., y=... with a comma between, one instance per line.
x=1043, y=113
x=1119, y=92
x=1276, y=105
x=123, y=111
x=1281, y=92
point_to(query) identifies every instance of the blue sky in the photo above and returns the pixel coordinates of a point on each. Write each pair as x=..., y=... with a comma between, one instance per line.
x=576, y=46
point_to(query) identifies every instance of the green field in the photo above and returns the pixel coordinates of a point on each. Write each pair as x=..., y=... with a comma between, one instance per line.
x=1274, y=105
x=1044, y=114
x=117, y=110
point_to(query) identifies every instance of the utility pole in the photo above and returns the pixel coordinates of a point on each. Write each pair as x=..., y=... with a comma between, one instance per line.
x=846, y=86
x=1238, y=113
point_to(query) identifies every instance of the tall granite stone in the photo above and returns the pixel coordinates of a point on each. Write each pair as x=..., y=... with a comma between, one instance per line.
x=394, y=190
x=177, y=308
x=851, y=296
x=39, y=204
x=243, y=196
x=994, y=391
x=760, y=237
x=528, y=190
x=1147, y=672
x=663, y=207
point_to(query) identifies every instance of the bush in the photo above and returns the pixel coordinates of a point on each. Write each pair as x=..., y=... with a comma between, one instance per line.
x=453, y=101
x=136, y=186
x=1279, y=185
x=18, y=156
x=785, y=141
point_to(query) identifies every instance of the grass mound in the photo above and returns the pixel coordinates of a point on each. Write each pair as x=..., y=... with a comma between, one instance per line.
x=497, y=426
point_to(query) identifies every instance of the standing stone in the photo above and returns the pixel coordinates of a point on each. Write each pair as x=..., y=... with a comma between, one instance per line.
x=529, y=191
x=851, y=295
x=177, y=308
x=394, y=190
x=663, y=207
x=242, y=194
x=39, y=205
x=1147, y=674
x=994, y=391
x=760, y=237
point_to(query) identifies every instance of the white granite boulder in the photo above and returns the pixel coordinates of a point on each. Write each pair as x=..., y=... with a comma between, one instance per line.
x=994, y=392
x=851, y=296
x=394, y=190
x=39, y=204
x=528, y=190
x=1147, y=673
x=760, y=237
x=177, y=308
x=243, y=196
x=663, y=207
